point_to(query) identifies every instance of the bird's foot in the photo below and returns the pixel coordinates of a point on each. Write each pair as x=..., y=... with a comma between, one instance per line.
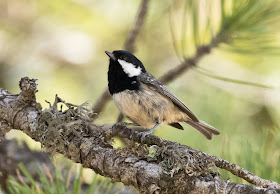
x=143, y=134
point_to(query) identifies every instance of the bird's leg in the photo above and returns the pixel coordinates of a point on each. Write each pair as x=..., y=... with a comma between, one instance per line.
x=143, y=134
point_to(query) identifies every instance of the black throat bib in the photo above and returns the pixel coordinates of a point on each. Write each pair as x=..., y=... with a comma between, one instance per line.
x=118, y=80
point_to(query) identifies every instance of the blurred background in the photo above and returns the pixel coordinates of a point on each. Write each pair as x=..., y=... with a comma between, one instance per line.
x=235, y=87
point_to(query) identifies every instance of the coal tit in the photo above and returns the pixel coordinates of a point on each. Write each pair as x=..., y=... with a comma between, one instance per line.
x=146, y=101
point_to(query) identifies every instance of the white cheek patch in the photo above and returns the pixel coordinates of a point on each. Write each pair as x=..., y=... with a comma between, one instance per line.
x=129, y=68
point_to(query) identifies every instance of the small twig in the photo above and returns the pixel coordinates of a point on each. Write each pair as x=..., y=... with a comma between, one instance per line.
x=201, y=51
x=48, y=172
x=28, y=89
x=19, y=176
x=134, y=31
x=244, y=174
x=233, y=80
x=101, y=102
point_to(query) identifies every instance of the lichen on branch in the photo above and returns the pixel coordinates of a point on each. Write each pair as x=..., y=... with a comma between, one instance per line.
x=156, y=166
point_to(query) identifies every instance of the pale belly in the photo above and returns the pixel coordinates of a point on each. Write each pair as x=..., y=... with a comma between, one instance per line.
x=147, y=108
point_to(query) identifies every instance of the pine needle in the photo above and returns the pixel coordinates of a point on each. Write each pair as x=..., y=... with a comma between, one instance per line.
x=237, y=81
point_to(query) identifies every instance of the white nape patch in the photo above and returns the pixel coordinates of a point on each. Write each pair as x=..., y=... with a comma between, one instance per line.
x=129, y=68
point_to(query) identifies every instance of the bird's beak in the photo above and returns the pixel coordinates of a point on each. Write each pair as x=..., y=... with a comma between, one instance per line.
x=111, y=55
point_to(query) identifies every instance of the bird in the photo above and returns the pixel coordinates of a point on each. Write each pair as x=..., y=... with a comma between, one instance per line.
x=145, y=100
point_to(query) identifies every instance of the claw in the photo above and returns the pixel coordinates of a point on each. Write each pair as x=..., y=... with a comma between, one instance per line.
x=143, y=134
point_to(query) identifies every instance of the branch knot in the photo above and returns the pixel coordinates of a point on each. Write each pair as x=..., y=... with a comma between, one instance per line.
x=28, y=89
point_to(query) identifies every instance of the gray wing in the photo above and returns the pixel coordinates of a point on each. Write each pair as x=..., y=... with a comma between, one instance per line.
x=150, y=80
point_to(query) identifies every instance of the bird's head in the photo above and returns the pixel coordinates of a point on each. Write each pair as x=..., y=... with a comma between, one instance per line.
x=129, y=63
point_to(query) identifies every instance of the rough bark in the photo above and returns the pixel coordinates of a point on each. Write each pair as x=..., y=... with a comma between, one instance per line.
x=159, y=166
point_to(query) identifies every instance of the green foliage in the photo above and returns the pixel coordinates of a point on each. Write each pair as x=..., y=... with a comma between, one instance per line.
x=247, y=27
x=77, y=183
x=250, y=26
x=262, y=159
x=26, y=184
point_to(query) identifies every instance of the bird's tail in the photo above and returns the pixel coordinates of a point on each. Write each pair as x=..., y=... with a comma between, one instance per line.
x=204, y=128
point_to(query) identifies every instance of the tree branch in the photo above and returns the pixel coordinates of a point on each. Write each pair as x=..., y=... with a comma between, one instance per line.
x=169, y=168
x=201, y=51
x=101, y=101
x=129, y=44
x=220, y=163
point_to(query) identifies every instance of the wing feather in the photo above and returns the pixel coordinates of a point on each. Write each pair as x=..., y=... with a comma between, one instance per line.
x=150, y=80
